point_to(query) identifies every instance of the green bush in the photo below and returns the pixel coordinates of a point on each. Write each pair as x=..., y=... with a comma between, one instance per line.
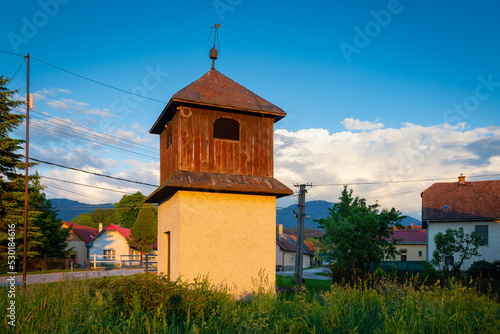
x=484, y=269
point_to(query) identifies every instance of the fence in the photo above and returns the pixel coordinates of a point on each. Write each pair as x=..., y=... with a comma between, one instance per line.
x=147, y=261
x=401, y=266
x=58, y=264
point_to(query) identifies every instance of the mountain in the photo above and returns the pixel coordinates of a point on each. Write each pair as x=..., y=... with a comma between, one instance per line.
x=68, y=209
x=317, y=210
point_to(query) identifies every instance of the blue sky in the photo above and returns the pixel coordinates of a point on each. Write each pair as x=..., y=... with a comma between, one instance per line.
x=374, y=90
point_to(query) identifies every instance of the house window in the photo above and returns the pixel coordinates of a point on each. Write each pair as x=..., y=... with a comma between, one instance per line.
x=403, y=250
x=482, y=231
x=419, y=253
x=226, y=128
x=109, y=254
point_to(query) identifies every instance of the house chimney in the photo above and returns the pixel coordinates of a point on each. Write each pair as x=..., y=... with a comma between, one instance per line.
x=461, y=179
x=280, y=231
x=100, y=227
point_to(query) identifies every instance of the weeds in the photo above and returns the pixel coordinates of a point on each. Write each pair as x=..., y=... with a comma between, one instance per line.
x=151, y=304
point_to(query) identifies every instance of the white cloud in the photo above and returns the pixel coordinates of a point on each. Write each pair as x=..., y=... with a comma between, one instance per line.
x=57, y=104
x=410, y=153
x=355, y=124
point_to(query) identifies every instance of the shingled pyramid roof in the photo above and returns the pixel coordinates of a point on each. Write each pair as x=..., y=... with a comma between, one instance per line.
x=214, y=89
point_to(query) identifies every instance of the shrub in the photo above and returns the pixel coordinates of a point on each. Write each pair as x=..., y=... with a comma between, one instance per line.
x=484, y=269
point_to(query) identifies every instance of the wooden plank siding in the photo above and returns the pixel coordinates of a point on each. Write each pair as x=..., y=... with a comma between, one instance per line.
x=194, y=147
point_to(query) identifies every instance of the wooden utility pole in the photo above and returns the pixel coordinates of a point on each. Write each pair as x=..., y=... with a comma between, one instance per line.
x=25, y=240
x=299, y=255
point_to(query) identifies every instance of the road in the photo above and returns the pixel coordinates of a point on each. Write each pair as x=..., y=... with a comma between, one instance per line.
x=54, y=277
x=307, y=273
x=46, y=278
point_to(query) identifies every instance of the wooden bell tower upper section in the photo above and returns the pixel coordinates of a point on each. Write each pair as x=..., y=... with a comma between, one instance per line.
x=215, y=125
x=216, y=135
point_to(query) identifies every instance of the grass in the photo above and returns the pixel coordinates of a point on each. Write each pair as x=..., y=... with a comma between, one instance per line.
x=149, y=304
x=314, y=285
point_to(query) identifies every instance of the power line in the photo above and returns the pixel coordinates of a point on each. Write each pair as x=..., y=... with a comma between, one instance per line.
x=77, y=193
x=12, y=78
x=400, y=181
x=93, y=173
x=57, y=128
x=97, y=82
x=12, y=53
x=85, y=185
x=62, y=132
x=86, y=128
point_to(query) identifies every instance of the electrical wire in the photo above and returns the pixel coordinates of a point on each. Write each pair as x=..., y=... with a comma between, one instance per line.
x=98, y=82
x=8, y=83
x=76, y=192
x=93, y=173
x=400, y=181
x=112, y=137
x=57, y=128
x=85, y=185
x=62, y=132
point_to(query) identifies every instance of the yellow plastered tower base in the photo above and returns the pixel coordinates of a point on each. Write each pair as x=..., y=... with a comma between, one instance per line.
x=228, y=237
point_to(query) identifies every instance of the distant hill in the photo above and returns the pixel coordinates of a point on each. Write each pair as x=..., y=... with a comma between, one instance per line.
x=68, y=209
x=317, y=210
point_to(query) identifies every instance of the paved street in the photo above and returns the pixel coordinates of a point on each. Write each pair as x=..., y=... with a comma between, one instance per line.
x=307, y=273
x=44, y=278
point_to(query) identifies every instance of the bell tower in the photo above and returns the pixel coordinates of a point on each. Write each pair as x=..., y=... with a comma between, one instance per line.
x=217, y=194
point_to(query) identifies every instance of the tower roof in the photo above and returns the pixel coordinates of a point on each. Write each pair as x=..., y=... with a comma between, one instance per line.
x=214, y=89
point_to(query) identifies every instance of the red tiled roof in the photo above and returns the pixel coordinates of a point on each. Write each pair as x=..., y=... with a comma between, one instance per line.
x=122, y=230
x=214, y=89
x=454, y=201
x=125, y=232
x=410, y=236
x=86, y=233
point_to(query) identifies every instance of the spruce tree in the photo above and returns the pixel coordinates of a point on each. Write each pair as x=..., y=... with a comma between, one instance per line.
x=44, y=236
x=144, y=231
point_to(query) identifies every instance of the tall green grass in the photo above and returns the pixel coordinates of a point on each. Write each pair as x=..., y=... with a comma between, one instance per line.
x=150, y=304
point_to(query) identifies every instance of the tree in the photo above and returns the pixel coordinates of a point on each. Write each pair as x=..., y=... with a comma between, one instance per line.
x=144, y=232
x=85, y=219
x=453, y=242
x=128, y=208
x=358, y=235
x=92, y=219
x=41, y=220
x=53, y=239
x=12, y=181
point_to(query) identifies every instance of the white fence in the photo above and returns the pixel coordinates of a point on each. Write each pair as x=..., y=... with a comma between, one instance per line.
x=125, y=261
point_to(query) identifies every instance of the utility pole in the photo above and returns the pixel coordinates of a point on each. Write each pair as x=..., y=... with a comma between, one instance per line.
x=25, y=241
x=299, y=257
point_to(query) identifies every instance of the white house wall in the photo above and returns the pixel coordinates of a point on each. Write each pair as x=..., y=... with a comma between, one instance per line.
x=110, y=240
x=490, y=252
x=78, y=245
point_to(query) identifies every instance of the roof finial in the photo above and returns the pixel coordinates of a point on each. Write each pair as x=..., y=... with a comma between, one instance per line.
x=214, y=51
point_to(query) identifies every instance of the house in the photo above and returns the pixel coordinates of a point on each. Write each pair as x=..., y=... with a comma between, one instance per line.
x=112, y=244
x=412, y=245
x=78, y=239
x=286, y=248
x=474, y=206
